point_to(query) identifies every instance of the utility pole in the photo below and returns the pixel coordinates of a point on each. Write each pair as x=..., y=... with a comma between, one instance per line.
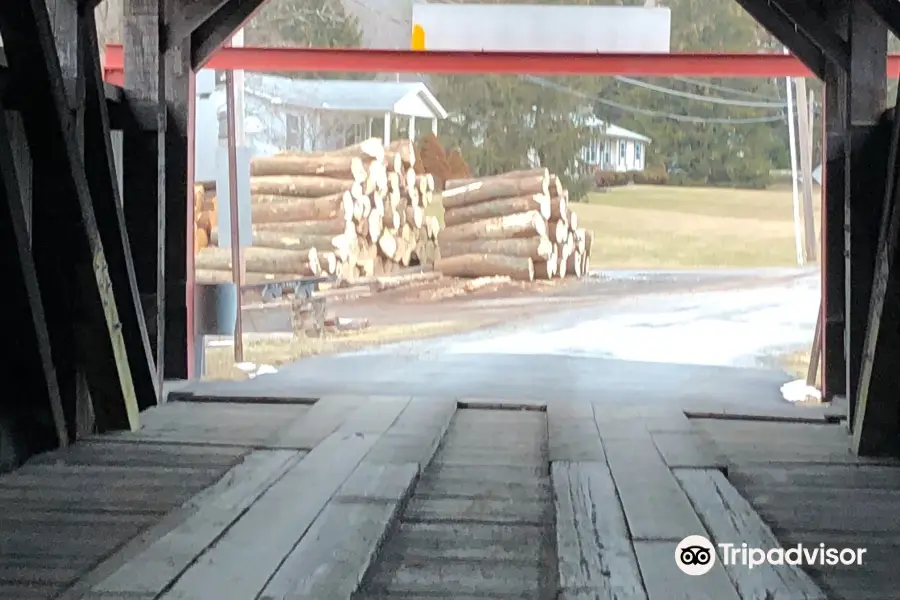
x=798, y=234
x=237, y=41
x=805, y=135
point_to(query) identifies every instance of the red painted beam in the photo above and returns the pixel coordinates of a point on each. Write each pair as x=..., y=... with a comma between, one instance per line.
x=533, y=63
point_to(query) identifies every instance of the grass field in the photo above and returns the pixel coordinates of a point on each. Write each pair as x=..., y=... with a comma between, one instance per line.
x=675, y=227
x=670, y=227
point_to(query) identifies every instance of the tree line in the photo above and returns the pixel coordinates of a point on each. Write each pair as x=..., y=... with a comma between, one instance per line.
x=728, y=132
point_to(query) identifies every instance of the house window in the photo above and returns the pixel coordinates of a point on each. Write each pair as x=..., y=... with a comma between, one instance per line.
x=637, y=152
x=622, y=150
x=607, y=151
x=292, y=131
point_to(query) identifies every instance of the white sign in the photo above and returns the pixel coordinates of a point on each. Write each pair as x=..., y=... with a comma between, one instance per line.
x=540, y=28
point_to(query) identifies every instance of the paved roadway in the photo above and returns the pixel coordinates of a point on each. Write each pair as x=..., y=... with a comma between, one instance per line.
x=689, y=337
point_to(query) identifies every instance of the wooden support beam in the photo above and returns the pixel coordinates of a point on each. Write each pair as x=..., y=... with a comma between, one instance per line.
x=68, y=251
x=179, y=220
x=143, y=151
x=187, y=15
x=836, y=120
x=104, y=187
x=889, y=11
x=869, y=145
x=23, y=311
x=874, y=347
x=218, y=28
x=877, y=415
x=777, y=23
x=810, y=22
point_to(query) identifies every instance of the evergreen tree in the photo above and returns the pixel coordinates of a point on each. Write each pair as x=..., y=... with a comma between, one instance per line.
x=509, y=122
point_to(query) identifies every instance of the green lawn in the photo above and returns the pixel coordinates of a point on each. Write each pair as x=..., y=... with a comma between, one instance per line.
x=678, y=227
x=668, y=227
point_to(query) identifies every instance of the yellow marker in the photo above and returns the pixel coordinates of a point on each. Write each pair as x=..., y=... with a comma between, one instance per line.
x=418, y=38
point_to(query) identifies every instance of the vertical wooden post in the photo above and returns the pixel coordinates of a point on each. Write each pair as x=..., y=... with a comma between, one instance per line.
x=863, y=200
x=835, y=178
x=179, y=207
x=143, y=158
x=234, y=208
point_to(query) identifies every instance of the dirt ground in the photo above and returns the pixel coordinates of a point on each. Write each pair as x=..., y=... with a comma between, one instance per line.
x=441, y=307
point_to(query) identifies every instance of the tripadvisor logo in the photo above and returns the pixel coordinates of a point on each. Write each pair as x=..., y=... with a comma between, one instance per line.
x=696, y=555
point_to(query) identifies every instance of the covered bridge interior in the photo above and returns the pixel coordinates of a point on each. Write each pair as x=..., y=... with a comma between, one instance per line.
x=100, y=325
x=95, y=310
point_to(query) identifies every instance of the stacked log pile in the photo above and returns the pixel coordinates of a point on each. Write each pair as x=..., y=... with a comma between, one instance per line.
x=517, y=224
x=205, y=215
x=354, y=212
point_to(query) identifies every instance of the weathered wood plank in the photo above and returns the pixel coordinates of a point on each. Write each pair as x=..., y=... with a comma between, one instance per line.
x=376, y=415
x=477, y=510
x=320, y=421
x=33, y=362
x=457, y=580
x=356, y=522
x=151, y=571
x=729, y=517
x=146, y=454
x=572, y=432
x=416, y=434
x=808, y=479
x=483, y=541
x=665, y=581
x=593, y=545
x=284, y=513
x=103, y=182
x=688, y=450
x=209, y=423
x=493, y=455
x=487, y=482
x=622, y=422
x=332, y=558
x=373, y=482
x=655, y=506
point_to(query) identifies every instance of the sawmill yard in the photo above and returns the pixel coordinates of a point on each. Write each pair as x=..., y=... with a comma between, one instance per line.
x=412, y=263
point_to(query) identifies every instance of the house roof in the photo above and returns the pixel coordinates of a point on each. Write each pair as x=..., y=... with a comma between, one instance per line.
x=614, y=131
x=403, y=98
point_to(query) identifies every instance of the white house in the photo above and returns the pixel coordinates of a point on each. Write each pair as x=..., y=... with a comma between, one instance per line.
x=613, y=148
x=320, y=115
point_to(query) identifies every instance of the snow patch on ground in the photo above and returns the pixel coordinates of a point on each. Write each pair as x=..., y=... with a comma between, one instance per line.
x=722, y=328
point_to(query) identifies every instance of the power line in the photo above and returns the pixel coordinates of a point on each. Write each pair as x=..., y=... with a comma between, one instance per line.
x=652, y=113
x=725, y=88
x=700, y=98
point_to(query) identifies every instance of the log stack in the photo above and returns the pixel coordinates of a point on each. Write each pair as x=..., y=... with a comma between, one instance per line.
x=205, y=214
x=354, y=212
x=517, y=224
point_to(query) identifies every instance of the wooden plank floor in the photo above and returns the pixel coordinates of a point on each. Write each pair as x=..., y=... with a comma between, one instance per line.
x=64, y=512
x=804, y=482
x=240, y=501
